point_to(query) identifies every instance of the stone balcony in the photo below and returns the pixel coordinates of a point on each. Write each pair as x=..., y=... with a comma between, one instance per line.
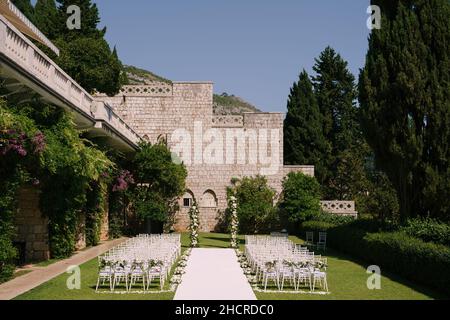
x=28, y=73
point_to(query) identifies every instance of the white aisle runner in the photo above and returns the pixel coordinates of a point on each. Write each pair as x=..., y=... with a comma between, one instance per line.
x=214, y=274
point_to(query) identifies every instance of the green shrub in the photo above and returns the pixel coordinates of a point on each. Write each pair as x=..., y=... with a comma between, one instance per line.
x=301, y=197
x=255, y=210
x=332, y=218
x=412, y=258
x=422, y=262
x=428, y=230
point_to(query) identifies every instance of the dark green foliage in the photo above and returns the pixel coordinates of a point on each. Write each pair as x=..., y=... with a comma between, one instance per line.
x=255, y=201
x=412, y=258
x=85, y=54
x=64, y=168
x=47, y=18
x=160, y=182
x=335, y=93
x=301, y=197
x=95, y=211
x=303, y=131
x=17, y=167
x=90, y=18
x=332, y=218
x=25, y=7
x=428, y=230
x=8, y=187
x=404, y=96
x=91, y=63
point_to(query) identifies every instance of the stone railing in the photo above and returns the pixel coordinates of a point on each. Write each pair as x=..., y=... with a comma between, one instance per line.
x=112, y=122
x=343, y=208
x=158, y=89
x=228, y=121
x=30, y=62
x=10, y=8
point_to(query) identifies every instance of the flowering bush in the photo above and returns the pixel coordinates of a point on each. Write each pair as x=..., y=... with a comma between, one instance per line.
x=123, y=181
x=234, y=222
x=194, y=224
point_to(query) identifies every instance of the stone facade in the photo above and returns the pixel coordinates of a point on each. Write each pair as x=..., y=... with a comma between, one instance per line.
x=166, y=111
x=32, y=227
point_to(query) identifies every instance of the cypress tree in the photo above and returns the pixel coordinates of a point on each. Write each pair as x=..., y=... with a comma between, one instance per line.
x=404, y=95
x=303, y=132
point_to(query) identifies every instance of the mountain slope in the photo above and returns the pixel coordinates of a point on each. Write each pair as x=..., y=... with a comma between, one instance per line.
x=224, y=104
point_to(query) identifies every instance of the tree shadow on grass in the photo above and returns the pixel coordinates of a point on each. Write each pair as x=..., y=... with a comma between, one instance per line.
x=331, y=253
x=218, y=241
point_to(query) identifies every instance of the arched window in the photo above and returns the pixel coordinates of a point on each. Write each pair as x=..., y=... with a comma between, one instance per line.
x=209, y=199
x=188, y=199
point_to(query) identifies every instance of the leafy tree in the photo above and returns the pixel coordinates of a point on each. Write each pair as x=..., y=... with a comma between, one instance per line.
x=404, y=96
x=256, y=209
x=159, y=182
x=300, y=198
x=303, y=131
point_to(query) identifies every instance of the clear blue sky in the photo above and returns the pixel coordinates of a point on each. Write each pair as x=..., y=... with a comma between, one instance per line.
x=252, y=48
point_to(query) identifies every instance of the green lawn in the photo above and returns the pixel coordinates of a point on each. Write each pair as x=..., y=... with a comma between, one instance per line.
x=346, y=279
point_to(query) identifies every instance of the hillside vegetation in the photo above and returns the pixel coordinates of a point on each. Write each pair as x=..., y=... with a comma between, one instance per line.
x=224, y=104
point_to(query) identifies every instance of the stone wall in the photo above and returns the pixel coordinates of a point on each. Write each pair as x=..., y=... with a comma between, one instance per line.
x=188, y=107
x=32, y=227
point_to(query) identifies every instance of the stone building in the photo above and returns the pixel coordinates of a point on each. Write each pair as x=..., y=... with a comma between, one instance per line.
x=215, y=149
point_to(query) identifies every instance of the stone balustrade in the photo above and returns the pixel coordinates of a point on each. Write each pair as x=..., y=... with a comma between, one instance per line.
x=108, y=118
x=20, y=54
x=344, y=208
x=228, y=121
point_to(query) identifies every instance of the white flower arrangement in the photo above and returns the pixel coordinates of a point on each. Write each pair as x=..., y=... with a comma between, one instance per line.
x=234, y=222
x=194, y=224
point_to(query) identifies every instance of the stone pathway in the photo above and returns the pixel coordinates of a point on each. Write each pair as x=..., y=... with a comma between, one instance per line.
x=38, y=276
x=214, y=274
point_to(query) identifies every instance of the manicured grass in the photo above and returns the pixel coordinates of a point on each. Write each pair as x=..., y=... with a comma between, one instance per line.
x=346, y=278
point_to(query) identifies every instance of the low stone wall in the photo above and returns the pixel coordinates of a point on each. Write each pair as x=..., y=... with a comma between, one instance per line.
x=32, y=227
x=341, y=208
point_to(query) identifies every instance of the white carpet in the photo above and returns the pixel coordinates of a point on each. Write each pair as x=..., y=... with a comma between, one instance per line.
x=214, y=274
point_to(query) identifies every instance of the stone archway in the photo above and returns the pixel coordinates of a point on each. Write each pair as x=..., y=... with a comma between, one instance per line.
x=208, y=199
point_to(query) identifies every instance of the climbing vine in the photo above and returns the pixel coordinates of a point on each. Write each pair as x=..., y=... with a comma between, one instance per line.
x=40, y=145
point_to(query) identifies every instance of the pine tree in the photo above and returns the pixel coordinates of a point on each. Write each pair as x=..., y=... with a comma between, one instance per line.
x=47, y=18
x=90, y=18
x=303, y=132
x=25, y=7
x=334, y=88
x=404, y=96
